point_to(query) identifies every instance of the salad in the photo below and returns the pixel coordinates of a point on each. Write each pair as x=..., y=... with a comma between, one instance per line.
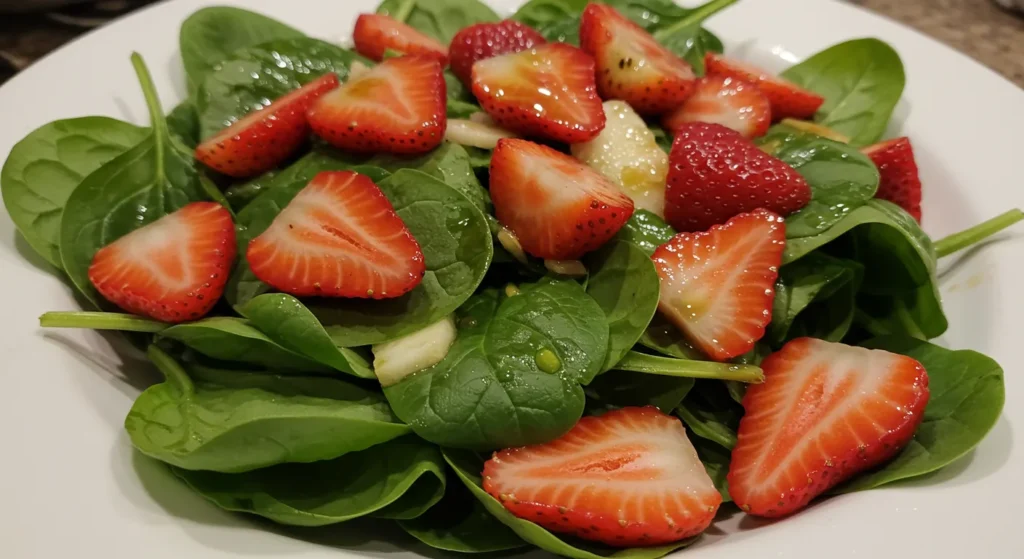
x=575, y=279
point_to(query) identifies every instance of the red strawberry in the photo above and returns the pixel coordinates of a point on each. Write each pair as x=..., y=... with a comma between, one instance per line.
x=627, y=478
x=717, y=287
x=264, y=138
x=788, y=99
x=730, y=102
x=631, y=64
x=714, y=174
x=825, y=412
x=339, y=237
x=558, y=207
x=398, y=106
x=173, y=269
x=899, y=183
x=485, y=40
x=547, y=91
x=375, y=34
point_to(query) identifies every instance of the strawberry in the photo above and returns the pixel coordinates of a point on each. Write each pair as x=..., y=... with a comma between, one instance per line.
x=398, y=106
x=788, y=100
x=375, y=34
x=718, y=286
x=486, y=40
x=546, y=91
x=825, y=412
x=730, y=102
x=264, y=138
x=173, y=269
x=627, y=478
x=558, y=207
x=897, y=169
x=339, y=237
x=631, y=64
x=714, y=174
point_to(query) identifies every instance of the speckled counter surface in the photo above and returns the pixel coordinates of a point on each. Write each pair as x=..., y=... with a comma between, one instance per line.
x=979, y=28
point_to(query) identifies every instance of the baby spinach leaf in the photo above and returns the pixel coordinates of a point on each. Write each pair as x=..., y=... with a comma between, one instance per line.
x=138, y=187
x=47, y=165
x=468, y=465
x=199, y=425
x=183, y=123
x=673, y=367
x=815, y=296
x=460, y=523
x=967, y=395
x=440, y=19
x=625, y=284
x=663, y=336
x=712, y=425
x=646, y=230
x=716, y=462
x=211, y=34
x=619, y=389
x=368, y=482
x=841, y=178
x=449, y=162
x=861, y=81
x=513, y=375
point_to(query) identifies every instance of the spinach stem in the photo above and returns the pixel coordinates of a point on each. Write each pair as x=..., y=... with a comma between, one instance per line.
x=697, y=16
x=173, y=373
x=404, y=9
x=156, y=112
x=100, y=321
x=959, y=241
x=672, y=367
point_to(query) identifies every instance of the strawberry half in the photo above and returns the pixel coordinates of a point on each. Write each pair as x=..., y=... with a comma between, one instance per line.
x=557, y=206
x=627, y=478
x=788, y=100
x=731, y=102
x=900, y=183
x=339, y=237
x=825, y=412
x=398, y=106
x=718, y=286
x=547, y=91
x=486, y=40
x=375, y=34
x=714, y=174
x=173, y=269
x=631, y=64
x=264, y=138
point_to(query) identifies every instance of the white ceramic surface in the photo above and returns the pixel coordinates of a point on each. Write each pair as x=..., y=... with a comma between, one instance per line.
x=71, y=485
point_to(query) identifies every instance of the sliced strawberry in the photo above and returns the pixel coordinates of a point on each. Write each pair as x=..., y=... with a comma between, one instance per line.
x=339, y=237
x=788, y=100
x=486, y=40
x=264, y=138
x=375, y=34
x=899, y=182
x=731, y=102
x=173, y=269
x=547, y=91
x=631, y=64
x=627, y=478
x=398, y=106
x=714, y=174
x=558, y=207
x=825, y=412
x=717, y=287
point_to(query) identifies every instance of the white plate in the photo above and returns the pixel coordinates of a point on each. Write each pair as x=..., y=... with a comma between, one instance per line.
x=70, y=482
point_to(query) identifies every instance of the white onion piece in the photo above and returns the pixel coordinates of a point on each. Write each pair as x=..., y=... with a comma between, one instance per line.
x=573, y=268
x=510, y=242
x=475, y=134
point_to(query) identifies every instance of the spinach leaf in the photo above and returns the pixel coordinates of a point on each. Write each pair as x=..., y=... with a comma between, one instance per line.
x=199, y=425
x=460, y=523
x=468, y=465
x=619, y=389
x=815, y=296
x=673, y=367
x=625, y=284
x=967, y=395
x=713, y=425
x=101, y=321
x=183, y=123
x=663, y=336
x=47, y=165
x=138, y=187
x=452, y=232
x=211, y=34
x=450, y=163
x=440, y=19
x=861, y=81
x=383, y=479
x=253, y=77
x=841, y=178
x=513, y=375
x=646, y=230
x=716, y=463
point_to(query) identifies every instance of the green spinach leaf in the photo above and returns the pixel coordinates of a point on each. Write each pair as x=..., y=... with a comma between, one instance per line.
x=663, y=336
x=235, y=339
x=440, y=19
x=674, y=367
x=716, y=463
x=620, y=389
x=460, y=523
x=713, y=425
x=646, y=230
x=815, y=296
x=183, y=123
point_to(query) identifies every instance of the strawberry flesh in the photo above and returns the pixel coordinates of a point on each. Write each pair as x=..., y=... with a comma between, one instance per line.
x=486, y=40
x=825, y=412
x=627, y=478
x=376, y=34
x=897, y=169
x=787, y=99
x=173, y=269
x=339, y=237
x=731, y=102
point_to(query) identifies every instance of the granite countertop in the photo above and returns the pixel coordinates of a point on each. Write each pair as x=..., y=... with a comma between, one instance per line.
x=979, y=28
